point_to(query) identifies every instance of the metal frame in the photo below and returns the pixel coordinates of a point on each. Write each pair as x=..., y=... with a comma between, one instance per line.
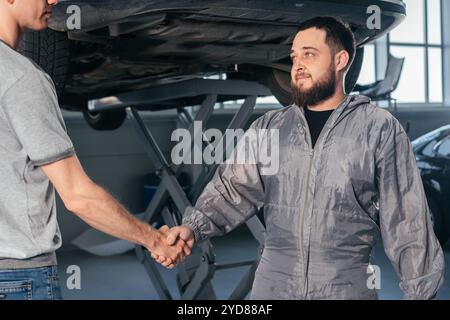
x=170, y=200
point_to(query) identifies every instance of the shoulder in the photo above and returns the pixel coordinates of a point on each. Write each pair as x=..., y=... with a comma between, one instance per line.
x=378, y=118
x=266, y=121
x=384, y=129
x=17, y=68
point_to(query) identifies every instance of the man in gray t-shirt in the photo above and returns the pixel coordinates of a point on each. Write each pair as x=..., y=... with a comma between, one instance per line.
x=36, y=156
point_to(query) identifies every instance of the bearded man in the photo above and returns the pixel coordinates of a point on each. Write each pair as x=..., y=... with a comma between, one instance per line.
x=346, y=174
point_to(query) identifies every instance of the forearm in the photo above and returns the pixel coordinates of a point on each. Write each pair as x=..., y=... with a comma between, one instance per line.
x=101, y=211
x=232, y=197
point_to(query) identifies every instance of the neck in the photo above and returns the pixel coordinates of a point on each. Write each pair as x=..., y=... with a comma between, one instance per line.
x=10, y=31
x=330, y=103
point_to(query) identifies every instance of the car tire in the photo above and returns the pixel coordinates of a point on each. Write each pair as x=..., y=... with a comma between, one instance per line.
x=51, y=51
x=437, y=218
x=279, y=82
x=355, y=69
x=105, y=121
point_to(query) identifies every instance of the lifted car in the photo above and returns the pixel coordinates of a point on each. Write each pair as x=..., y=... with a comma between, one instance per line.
x=128, y=45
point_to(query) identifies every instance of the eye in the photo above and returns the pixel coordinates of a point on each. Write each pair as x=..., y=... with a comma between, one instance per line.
x=309, y=54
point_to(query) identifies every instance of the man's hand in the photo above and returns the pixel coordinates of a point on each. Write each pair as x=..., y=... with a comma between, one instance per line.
x=179, y=237
x=169, y=255
x=181, y=233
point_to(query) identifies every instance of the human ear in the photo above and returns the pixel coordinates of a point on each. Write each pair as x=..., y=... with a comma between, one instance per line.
x=342, y=60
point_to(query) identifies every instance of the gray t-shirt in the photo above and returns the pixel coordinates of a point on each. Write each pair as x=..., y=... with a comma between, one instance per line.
x=32, y=133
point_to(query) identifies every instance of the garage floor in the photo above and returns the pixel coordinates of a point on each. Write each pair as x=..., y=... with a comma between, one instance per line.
x=122, y=277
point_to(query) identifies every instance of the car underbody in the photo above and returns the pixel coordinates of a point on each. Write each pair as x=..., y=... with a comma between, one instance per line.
x=126, y=45
x=100, y=48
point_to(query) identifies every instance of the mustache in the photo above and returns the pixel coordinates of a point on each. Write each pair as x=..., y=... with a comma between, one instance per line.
x=302, y=75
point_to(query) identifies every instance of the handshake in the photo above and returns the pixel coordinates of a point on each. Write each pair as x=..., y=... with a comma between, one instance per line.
x=170, y=246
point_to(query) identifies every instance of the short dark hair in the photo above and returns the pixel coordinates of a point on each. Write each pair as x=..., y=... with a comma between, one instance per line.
x=339, y=35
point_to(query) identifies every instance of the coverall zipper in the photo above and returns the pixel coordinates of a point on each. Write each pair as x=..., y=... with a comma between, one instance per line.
x=311, y=160
x=305, y=266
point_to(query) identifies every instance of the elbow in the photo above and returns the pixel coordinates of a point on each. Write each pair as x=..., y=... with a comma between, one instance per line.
x=75, y=204
x=79, y=199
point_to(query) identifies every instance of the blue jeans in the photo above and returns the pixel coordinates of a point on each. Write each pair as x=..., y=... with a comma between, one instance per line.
x=30, y=284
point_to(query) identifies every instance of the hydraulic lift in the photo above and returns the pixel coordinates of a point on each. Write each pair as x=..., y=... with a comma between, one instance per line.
x=170, y=200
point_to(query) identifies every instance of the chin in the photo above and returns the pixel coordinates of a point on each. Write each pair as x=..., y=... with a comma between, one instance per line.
x=303, y=87
x=41, y=25
x=40, y=28
x=37, y=27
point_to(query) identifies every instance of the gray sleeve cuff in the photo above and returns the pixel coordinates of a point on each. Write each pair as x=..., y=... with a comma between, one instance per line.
x=56, y=157
x=189, y=220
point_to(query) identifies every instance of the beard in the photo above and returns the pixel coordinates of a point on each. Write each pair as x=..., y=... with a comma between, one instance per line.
x=321, y=90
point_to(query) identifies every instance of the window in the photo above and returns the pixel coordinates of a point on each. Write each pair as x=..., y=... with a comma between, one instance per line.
x=367, y=74
x=411, y=30
x=411, y=87
x=435, y=74
x=434, y=22
x=419, y=40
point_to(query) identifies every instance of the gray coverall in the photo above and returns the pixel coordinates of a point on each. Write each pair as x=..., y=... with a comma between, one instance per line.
x=325, y=207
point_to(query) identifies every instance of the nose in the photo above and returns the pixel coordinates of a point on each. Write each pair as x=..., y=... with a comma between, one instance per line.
x=298, y=66
x=52, y=2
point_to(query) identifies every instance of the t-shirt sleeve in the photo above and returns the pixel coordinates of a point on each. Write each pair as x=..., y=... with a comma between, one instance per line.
x=31, y=108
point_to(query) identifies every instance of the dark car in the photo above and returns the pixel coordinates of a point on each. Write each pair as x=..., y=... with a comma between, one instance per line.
x=127, y=45
x=432, y=152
